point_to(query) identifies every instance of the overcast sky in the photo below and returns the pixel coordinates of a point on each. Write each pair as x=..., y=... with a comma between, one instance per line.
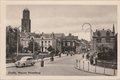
x=65, y=19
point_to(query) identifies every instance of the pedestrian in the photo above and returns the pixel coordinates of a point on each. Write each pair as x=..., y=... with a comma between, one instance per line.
x=83, y=56
x=87, y=56
x=59, y=54
x=42, y=61
x=91, y=60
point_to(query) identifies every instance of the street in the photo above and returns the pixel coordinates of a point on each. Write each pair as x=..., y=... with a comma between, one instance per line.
x=64, y=66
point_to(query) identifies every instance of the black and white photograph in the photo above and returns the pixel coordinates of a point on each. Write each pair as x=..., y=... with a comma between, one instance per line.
x=61, y=40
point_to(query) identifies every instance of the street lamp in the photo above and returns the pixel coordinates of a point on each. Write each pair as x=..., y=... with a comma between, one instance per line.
x=17, y=39
x=33, y=44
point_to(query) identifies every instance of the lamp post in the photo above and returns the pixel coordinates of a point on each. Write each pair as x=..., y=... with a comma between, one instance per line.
x=33, y=44
x=17, y=40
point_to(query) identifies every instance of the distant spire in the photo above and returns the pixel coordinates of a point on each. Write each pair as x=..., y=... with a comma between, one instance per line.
x=113, y=28
x=42, y=33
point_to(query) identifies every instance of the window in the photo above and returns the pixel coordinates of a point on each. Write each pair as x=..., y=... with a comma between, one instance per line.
x=73, y=44
x=45, y=47
x=108, y=40
x=68, y=43
x=108, y=33
x=64, y=44
x=99, y=40
x=58, y=43
x=42, y=37
x=48, y=41
x=42, y=42
x=98, y=33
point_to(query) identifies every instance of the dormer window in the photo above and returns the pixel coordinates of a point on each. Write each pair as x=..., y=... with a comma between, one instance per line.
x=98, y=33
x=108, y=33
x=42, y=37
x=98, y=40
x=108, y=40
x=32, y=38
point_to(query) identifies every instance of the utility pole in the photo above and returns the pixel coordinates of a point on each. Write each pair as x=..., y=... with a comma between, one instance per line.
x=17, y=40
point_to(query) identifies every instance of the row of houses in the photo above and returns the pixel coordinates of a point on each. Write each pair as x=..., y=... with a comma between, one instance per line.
x=57, y=40
x=100, y=38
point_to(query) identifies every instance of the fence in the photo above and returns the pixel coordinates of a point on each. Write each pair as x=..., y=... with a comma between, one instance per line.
x=85, y=65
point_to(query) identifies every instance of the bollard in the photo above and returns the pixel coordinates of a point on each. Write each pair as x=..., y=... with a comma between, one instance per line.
x=59, y=55
x=88, y=66
x=52, y=58
x=95, y=68
x=67, y=54
x=83, y=65
x=104, y=67
x=42, y=63
x=76, y=63
x=79, y=64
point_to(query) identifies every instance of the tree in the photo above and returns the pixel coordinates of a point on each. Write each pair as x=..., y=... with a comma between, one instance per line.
x=11, y=41
x=105, y=53
x=32, y=44
x=52, y=50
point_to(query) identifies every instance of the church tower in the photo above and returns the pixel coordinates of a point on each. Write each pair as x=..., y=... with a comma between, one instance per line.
x=26, y=22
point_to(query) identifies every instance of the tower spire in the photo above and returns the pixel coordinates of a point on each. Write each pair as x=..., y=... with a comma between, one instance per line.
x=113, y=28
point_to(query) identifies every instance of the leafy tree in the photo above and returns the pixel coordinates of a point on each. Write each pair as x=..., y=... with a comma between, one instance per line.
x=11, y=41
x=105, y=53
x=52, y=50
x=32, y=44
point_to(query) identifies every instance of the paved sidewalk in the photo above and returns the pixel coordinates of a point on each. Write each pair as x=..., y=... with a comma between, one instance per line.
x=48, y=58
x=84, y=65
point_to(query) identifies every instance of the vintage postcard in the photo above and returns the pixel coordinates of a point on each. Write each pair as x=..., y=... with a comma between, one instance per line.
x=60, y=40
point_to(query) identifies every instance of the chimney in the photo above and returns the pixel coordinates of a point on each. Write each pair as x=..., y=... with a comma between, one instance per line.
x=70, y=34
x=113, y=29
x=53, y=35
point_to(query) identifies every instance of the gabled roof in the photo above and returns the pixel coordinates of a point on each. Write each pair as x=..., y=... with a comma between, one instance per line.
x=59, y=35
x=102, y=33
x=24, y=35
x=70, y=37
x=35, y=35
x=46, y=35
x=52, y=35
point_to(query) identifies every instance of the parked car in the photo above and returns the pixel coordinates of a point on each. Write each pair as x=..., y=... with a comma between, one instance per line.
x=25, y=61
